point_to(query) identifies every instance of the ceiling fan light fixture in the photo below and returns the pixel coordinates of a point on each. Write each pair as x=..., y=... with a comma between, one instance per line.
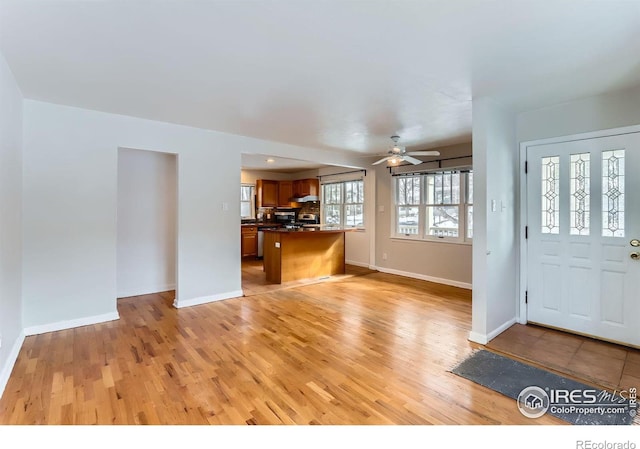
x=398, y=153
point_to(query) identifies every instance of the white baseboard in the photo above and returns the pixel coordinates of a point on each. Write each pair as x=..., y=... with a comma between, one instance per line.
x=147, y=291
x=500, y=329
x=479, y=338
x=70, y=324
x=5, y=373
x=483, y=339
x=178, y=304
x=424, y=277
x=357, y=264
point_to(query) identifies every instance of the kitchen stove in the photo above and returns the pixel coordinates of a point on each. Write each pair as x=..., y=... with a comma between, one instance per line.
x=288, y=220
x=308, y=219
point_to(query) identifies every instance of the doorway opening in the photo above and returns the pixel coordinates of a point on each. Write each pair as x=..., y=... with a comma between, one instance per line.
x=146, y=223
x=580, y=261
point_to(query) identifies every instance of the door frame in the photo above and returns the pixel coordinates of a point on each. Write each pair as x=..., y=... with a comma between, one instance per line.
x=521, y=307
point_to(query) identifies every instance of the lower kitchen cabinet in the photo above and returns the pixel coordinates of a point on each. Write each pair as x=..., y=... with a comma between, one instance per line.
x=249, y=241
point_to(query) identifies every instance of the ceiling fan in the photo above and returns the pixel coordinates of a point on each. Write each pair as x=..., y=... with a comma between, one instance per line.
x=398, y=153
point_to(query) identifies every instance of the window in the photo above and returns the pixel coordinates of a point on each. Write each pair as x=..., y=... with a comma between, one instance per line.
x=247, y=201
x=469, y=205
x=408, y=201
x=435, y=206
x=443, y=204
x=613, y=193
x=343, y=203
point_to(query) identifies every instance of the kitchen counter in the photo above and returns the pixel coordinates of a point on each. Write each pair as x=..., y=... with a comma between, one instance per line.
x=260, y=224
x=317, y=229
x=304, y=253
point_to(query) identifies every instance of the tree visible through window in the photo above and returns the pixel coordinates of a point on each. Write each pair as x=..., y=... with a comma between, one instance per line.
x=343, y=203
x=435, y=205
x=408, y=204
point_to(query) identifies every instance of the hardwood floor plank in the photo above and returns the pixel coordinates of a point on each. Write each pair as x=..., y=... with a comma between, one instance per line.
x=367, y=349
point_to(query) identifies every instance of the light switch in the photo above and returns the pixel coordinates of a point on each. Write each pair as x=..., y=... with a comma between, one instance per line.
x=493, y=205
x=225, y=206
x=277, y=244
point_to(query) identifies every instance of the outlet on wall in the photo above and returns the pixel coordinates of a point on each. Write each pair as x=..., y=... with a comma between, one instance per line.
x=384, y=256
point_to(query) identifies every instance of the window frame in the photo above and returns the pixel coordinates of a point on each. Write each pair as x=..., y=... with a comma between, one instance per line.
x=342, y=204
x=252, y=201
x=463, y=205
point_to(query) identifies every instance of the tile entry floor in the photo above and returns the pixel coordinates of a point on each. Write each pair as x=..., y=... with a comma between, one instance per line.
x=595, y=362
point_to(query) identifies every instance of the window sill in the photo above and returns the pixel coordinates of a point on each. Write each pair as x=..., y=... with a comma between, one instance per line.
x=439, y=241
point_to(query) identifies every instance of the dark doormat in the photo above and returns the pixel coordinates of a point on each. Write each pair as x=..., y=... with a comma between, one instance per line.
x=538, y=391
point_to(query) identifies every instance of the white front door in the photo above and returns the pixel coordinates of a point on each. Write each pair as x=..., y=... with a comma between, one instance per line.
x=583, y=216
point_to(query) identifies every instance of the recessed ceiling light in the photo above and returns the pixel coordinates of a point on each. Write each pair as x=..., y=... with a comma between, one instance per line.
x=270, y=161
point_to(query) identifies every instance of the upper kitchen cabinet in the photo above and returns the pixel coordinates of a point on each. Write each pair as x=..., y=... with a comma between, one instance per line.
x=266, y=193
x=306, y=187
x=285, y=192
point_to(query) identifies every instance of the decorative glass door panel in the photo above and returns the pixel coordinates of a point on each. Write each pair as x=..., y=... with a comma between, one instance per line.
x=583, y=210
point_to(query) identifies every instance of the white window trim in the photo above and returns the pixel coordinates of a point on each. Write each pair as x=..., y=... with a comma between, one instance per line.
x=252, y=202
x=343, y=204
x=462, y=238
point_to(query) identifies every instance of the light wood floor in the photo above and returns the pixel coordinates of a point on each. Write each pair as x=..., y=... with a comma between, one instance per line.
x=370, y=349
x=254, y=279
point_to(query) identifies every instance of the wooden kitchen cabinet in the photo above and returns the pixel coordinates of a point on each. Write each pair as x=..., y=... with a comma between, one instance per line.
x=271, y=193
x=306, y=187
x=285, y=192
x=266, y=193
x=249, y=241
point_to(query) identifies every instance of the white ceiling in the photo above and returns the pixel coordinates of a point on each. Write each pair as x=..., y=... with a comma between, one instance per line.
x=278, y=164
x=320, y=73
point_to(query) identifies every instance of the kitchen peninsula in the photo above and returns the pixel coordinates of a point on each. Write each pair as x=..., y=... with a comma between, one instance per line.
x=305, y=253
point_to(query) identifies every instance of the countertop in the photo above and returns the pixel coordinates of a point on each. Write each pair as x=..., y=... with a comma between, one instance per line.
x=320, y=229
x=261, y=224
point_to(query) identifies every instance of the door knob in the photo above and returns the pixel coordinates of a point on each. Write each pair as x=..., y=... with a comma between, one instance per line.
x=635, y=256
x=635, y=243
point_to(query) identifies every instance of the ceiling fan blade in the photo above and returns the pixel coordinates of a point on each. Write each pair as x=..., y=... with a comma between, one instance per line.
x=424, y=153
x=381, y=160
x=413, y=160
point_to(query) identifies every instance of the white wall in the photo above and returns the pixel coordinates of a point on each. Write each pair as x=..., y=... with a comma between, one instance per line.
x=495, y=239
x=70, y=203
x=10, y=221
x=251, y=176
x=601, y=112
x=448, y=263
x=358, y=244
x=146, y=217
x=612, y=110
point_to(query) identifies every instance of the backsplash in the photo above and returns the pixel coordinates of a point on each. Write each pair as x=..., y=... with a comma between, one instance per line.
x=265, y=214
x=310, y=207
